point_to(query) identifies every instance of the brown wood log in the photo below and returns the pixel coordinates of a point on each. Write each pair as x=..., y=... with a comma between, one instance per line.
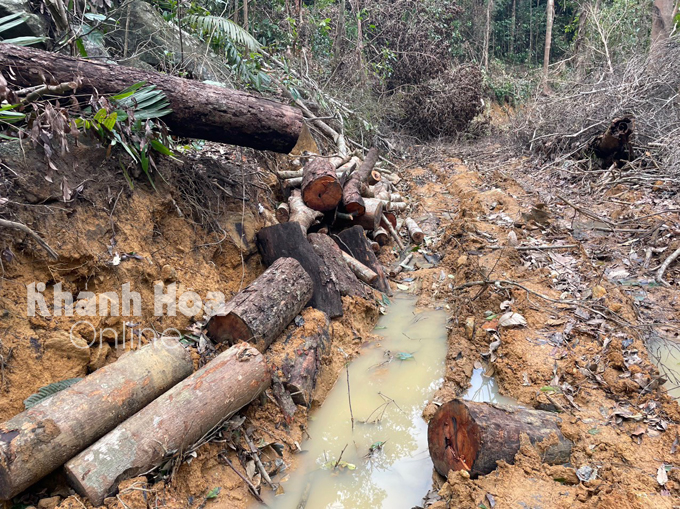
x=351, y=197
x=395, y=206
x=381, y=236
x=465, y=435
x=374, y=177
x=370, y=219
x=199, y=110
x=332, y=256
x=283, y=399
x=388, y=217
x=262, y=310
x=287, y=240
x=321, y=189
x=346, y=169
x=614, y=144
x=173, y=422
x=360, y=270
x=41, y=439
x=414, y=231
x=375, y=246
x=387, y=224
x=353, y=241
x=382, y=191
x=396, y=197
x=283, y=213
x=302, y=368
x=301, y=213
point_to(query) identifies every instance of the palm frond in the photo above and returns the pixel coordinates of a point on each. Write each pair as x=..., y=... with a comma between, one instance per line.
x=14, y=20
x=225, y=27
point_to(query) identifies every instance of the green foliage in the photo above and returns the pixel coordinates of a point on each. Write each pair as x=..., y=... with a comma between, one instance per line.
x=215, y=26
x=12, y=21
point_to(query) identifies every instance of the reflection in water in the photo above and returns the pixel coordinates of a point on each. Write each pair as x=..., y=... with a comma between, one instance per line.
x=390, y=383
x=485, y=390
x=665, y=352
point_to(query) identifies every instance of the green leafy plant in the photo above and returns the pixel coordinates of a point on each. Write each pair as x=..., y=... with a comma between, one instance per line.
x=14, y=20
x=210, y=25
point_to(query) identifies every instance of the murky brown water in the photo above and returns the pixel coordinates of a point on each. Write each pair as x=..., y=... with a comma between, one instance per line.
x=385, y=463
x=666, y=354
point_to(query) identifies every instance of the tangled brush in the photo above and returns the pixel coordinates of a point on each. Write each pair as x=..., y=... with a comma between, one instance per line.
x=562, y=127
x=444, y=105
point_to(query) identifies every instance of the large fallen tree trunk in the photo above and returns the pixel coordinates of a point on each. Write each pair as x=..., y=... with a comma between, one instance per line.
x=353, y=241
x=42, y=438
x=260, y=312
x=287, y=240
x=351, y=197
x=199, y=110
x=332, y=256
x=465, y=435
x=301, y=369
x=171, y=423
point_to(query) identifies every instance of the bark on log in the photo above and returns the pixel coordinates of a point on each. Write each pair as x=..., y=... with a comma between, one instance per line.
x=321, y=189
x=173, y=422
x=283, y=213
x=261, y=311
x=301, y=213
x=395, y=206
x=287, y=240
x=42, y=438
x=302, y=369
x=283, y=399
x=360, y=270
x=374, y=246
x=396, y=197
x=199, y=110
x=333, y=258
x=387, y=224
x=380, y=236
x=370, y=219
x=465, y=435
x=353, y=241
x=388, y=217
x=414, y=231
x=374, y=177
x=351, y=197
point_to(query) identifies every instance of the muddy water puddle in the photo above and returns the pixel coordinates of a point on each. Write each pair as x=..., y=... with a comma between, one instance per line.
x=665, y=352
x=484, y=389
x=383, y=462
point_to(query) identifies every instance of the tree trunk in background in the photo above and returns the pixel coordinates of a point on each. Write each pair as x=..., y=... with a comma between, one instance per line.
x=550, y=11
x=245, y=14
x=489, y=8
x=512, y=28
x=339, y=42
x=236, y=11
x=360, y=36
x=663, y=14
x=531, y=30
x=579, y=47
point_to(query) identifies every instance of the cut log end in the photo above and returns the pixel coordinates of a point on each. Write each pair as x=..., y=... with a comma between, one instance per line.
x=323, y=194
x=454, y=438
x=228, y=329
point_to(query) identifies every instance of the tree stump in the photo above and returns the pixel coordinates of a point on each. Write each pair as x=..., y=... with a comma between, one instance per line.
x=353, y=241
x=286, y=240
x=41, y=439
x=302, y=369
x=262, y=310
x=464, y=435
x=173, y=422
x=321, y=189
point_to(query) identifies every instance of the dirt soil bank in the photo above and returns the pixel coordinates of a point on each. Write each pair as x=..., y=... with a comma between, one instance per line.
x=581, y=353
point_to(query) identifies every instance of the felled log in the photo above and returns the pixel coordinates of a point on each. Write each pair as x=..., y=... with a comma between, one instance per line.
x=283, y=212
x=262, y=310
x=465, y=435
x=173, y=422
x=396, y=197
x=41, y=439
x=388, y=217
x=199, y=110
x=302, y=368
x=351, y=198
x=321, y=189
x=374, y=177
x=301, y=213
x=353, y=241
x=333, y=258
x=346, y=169
x=398, y=266
x=287, y=240
x=370, y=219
x=374, y=246
x=387, y=224
x=360, y=270
x=380, y=236
x=414, y=231
x=283, y=399
x=615, y=143
x=395, y=206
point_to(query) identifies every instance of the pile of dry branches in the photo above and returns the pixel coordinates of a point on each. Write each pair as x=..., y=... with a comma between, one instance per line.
x=562, y=126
